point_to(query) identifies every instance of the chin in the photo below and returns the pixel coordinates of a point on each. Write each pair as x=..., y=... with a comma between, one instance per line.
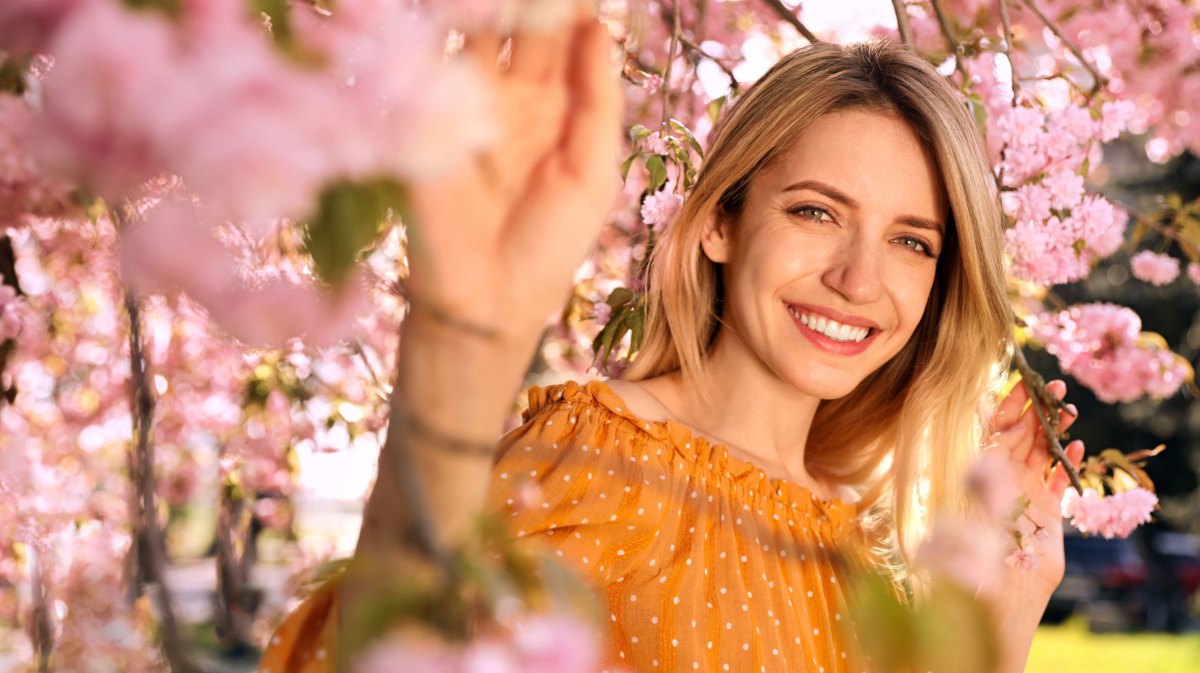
x=826, y=389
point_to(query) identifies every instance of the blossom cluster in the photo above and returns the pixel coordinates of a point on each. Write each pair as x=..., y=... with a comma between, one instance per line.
x=378, y=96
x=1059, y=230
x=547, y=643
x=1154, y=267
x=1114, y=515
x=1104, y=348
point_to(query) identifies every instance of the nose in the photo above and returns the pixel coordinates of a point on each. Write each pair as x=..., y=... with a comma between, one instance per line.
x=856, y=270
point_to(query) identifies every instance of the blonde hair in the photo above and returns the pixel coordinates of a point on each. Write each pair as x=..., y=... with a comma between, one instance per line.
x=918, y=416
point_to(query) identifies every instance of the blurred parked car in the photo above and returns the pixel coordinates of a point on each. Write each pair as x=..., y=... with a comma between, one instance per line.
x=1126, y=584
x=1101, y=575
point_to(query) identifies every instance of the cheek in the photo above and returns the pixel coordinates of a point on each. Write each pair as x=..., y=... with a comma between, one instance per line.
x=911, y=294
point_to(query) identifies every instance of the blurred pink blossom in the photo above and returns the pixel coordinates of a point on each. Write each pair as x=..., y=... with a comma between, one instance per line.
x=1193, y=272
x=992, y=482
x=968, y=554
x=24, y=188
x=1101, y=346
x=548, y=643
x=26, y=25
x=1026, y=558
x=1154, y=268
x=1111, y=516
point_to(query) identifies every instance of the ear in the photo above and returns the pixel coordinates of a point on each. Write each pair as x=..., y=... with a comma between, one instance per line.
x=716, y=238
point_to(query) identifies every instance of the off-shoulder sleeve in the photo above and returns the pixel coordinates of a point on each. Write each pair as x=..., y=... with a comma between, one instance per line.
x=580, y=476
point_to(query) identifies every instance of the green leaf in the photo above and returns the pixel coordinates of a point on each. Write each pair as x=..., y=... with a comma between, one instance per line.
x=687, y=136
x=172, y=8
x=1189, y=232
x=350, y=216
x=281, y=24
x=714, y=108
x=625, y=165
x=12, y=75
x=638, y=133
x=637, y=325
x=658, y=172
x=619, y=297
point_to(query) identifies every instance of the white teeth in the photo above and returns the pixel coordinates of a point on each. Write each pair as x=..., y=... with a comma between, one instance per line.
x=831, y=328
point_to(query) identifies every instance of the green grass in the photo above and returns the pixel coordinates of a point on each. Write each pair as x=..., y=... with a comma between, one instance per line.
x=1070, y=648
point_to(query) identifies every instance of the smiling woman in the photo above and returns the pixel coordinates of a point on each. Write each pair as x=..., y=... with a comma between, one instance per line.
x=825, y=315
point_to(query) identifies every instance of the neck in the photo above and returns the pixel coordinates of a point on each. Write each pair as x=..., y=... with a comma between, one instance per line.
x=750, y=409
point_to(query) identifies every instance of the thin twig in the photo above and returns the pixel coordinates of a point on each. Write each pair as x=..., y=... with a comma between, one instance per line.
x=666, y=76
x=150, y=545
x=902, y=23
x=699, y=51
x=1098, y=80
x=1008, y=50
x=1169, y=232
x=951, y=40
x=790, y=16
x=1043, y=403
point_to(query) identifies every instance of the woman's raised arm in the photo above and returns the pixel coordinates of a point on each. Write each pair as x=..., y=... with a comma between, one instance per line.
x=492, y=251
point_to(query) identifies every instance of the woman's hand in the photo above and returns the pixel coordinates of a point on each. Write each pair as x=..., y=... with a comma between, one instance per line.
x=1024, y=592
x=495, y=242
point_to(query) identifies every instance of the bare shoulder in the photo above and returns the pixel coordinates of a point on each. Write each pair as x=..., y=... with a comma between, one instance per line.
x=640, y=397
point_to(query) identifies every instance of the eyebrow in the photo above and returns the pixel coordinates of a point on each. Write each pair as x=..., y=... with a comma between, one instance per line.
x=848, y=201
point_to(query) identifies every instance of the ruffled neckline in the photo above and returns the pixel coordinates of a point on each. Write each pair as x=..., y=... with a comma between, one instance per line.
x=695, y=447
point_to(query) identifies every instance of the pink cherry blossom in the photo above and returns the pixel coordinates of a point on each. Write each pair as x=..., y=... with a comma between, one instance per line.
x=1111, y=516
x=1101, y=346
x=1025, y=558
x=1154, y=268
x=1065, y=188
x=26, y=25
x=24, y=187
x=1193, y=272
x=969, y=555
x=659, y=208
x=992, y=482
x=655, y=143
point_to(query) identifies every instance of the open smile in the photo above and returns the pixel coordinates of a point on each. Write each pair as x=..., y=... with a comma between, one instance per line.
x=843, y=338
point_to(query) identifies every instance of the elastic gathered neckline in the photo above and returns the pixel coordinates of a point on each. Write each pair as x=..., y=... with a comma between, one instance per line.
x=714, y=457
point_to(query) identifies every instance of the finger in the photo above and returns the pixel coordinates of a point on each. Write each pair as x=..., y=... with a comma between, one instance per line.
x=1009, y=410
x=1019, y=439
x=1068, y=417
x=541, y=56
x=594, y=106
x=1058, y=479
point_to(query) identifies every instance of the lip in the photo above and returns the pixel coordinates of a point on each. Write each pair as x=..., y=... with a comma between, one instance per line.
x=844, y=318
x=831, y=345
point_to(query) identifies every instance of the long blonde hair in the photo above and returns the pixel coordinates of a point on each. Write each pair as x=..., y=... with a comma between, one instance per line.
x=904, y=436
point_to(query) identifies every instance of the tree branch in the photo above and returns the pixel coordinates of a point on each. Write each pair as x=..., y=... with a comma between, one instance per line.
x=148, y=536
x=790, y=16
x=1008, y=50
x=902, y=23
x=699, y=51
x=666, y=76
x=1098, y=80
x=1043, y=404
x=951, y=40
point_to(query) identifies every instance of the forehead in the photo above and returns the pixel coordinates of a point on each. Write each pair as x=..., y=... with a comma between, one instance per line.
x=875, y=158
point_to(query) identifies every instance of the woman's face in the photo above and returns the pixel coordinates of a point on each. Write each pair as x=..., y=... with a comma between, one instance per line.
x=830, y=263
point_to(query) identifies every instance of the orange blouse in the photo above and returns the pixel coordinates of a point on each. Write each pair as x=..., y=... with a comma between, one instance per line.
x=703, y=562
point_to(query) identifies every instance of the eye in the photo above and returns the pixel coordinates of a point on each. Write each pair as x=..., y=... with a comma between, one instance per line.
x=917, y=245
x=815, y=213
